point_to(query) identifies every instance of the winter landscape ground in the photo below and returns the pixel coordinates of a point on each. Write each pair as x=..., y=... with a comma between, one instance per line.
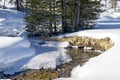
x=20, y=53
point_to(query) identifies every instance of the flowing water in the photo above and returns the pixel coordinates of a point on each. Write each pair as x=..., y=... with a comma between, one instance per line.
x=79, y=57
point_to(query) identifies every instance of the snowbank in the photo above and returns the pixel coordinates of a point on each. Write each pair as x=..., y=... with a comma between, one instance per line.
x=102, y=67
x=48, y=60
x=105, y=66
x=48, y=55
x=16, y=53
x=57, y=44
x=13, y=50
x=11, y=22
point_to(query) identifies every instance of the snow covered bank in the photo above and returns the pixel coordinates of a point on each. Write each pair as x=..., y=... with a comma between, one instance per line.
x=57, y=44
x=11, y=22
x=105, y=66
x=11, y=51
x=48, y=55
x=48, y=60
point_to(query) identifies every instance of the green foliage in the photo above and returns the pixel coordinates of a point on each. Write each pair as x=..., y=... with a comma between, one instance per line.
x=89, y=12
x=43, y=15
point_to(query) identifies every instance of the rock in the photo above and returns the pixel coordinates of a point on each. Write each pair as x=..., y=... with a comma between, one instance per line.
x=81, y=47
x=68, y=47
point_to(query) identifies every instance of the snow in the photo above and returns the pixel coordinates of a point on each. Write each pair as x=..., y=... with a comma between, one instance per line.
x=5, y=79
x=48, y=60
x=105, y=66
x=11, y=22
x=6, y=4
x=48, y=55
x=13, y=49
x=19, y=53
x=57, y=44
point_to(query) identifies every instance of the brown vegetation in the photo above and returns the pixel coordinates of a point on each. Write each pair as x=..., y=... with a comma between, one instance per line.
x=101, y=44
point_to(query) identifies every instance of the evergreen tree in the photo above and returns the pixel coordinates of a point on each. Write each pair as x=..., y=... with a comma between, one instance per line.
x=89, y=12
x=43, y=15
x=82, y=13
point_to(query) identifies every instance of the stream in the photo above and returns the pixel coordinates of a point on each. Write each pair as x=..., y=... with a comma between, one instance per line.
x=79, y=57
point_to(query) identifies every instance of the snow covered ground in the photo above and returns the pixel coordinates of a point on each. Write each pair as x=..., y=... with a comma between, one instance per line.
x=106, y=66
x=7, y=4
x=17, y=53
x=48, y=55
x=11, y=22
x=12, y=51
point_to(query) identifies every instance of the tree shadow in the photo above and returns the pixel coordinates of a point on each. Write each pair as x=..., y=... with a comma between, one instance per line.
x=108, y=26
x=22, y=60
x=10, y=20
x=113, y=23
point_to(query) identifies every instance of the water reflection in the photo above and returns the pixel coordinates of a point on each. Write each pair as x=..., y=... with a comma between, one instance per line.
x=82, y=55
x=79, y=57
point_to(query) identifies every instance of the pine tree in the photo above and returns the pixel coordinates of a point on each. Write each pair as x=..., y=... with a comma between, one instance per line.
x=82, y=13
x=89, y=11
x=63, y=17
x=43, y=15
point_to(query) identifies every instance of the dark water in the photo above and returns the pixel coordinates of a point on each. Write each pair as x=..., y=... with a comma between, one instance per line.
x=79, y=57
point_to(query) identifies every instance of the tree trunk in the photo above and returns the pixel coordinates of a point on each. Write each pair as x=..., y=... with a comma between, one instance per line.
x=54, y=17
x=26, y=8
x=114, y=4
x=17, y=5
x=4, y=4
x=50, y=17
x=105, y=3
x=78, y=15
x=64, y=23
